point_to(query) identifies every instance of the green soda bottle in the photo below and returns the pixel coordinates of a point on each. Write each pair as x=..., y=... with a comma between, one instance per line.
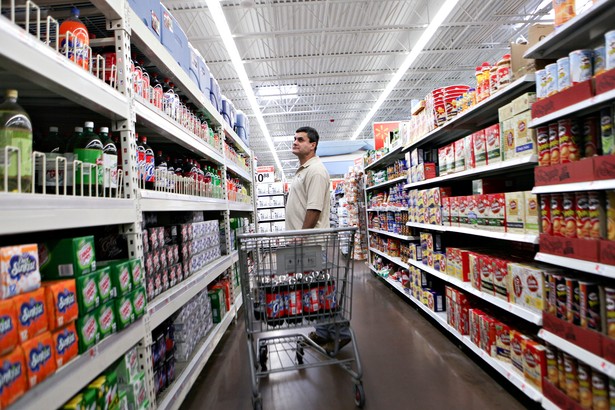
x=89, y=150
x=15, y=131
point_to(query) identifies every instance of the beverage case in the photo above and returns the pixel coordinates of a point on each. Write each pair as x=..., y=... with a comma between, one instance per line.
x=31, y=314
x=19, y=270
x=61, y=302
x=72, y=257
x=13, y=374
x=124, y=311
x=106, y=319
x=9, y=336
x=139, y=301
x=65, y=344
x=88, y=332
x=88, y=297
x=120, y=275
x=40, y=359
x=106, y=288
x=136, y=272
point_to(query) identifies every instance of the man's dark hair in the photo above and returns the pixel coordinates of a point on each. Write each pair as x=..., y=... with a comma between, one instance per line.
x=311, y=133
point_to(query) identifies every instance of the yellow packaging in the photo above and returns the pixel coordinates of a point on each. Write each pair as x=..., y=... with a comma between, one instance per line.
x=534, y=289
x=505, y=112
x=525, y=137
x=610, y=215
x=507, y=130
x=564, y=11
x=515, y=212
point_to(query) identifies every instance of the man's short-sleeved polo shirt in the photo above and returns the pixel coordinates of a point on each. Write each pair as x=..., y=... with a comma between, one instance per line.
x=309, y=190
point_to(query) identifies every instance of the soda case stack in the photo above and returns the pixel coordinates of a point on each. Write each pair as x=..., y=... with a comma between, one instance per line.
x=120, y=387
x=191, y=324
x=163, y=356
x=109, y=294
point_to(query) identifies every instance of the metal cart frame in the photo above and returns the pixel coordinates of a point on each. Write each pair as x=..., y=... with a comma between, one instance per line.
x=292, y=280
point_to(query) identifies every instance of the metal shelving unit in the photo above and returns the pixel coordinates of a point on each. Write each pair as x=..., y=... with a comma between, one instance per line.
x=584, y=107
x=396, y=260
x=506, y=236
x=394, y=235
x=387, y=183
x=596, y=268
x=574, y=187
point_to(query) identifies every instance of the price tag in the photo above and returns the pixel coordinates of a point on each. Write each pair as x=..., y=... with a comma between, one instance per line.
x=265, y=174
x=93, y=352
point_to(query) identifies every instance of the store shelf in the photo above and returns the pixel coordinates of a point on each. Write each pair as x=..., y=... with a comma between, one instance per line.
x=387, y=183
x=579, y=32
x=483, y=114
x=390, y=157
x=259, y=195
x=270, y=207
x=112, y=9
x=234, y=257
x=23, y=56
x=158, y=201
x=505, y=236
x=526, y=314
x=581, y=108
x=516, y=164
x=597, y=362
x=23, y=213
x=505, y=369
x=577, y=264
x=238, y=142
x=173, y=299
x=394, y=235
x=158, y=122
x=240, y=206
x=549, y=405
x=178, y=391
x=394, y=259
x=574, y=187
x=272, y=220
x=240, y=172
x=70, y=379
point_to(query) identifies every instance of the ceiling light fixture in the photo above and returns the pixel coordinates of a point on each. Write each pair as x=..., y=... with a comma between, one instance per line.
x=437, y=21
x=225, y=33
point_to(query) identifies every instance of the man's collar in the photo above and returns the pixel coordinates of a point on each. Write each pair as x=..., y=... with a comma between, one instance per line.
x=310, y=161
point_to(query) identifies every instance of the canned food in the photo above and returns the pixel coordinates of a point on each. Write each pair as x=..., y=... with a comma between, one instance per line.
x=596, y=215
x=609, y=38
x=541, y=84
x=570, y=217
x=552, y=373
x=581, y=66
x=582, y=215
x=563, y=74
x=568, y=141
x=600, y=398
x=545, y=214
x=557, y=214
x=599, y=60
x=589, y=305
x=609, y=294
x=554, y=143
x=590, y=136
x=561, y=370
x=571, y=369
x=544, y=151
x=561, y=295
x=606, y=131
x=585, y=385
x=610, y=215
x=551, y=83
x=573, y=314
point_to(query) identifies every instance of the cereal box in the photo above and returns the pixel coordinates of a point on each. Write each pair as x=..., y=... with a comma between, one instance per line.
x=32, y=317
x=9, y=336
x=472, y=211
x=531, y=212
x=433, y=300
x=486, y=274
x=13, y=374
x=515, y=212
x=502, y=341
x=493, y=140
x=124, y=311
x=67, y=258
x=66, y=344
x=500, y=278
x=442, y=164
x=475, y=316
x=517, y=348
x=508, y=139
x=450, y=158
x=19, y=270
x=463, y=266
x=40, y=361
x=88, y=297
x=534, y=289
x=523, y=103
x=480, y=148
x=88, y=331
x=525, y=137
x=120, y=275
x=464, y=203
x=446, y=211
x=106, y=288
x=497, y=211
x=534, y=363
x=61, y=299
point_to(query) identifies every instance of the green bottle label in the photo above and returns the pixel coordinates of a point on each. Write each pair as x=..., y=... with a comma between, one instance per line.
x=89, y=156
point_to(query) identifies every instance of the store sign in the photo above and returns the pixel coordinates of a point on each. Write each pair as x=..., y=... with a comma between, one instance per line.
x=358, y=163
x=382, y=132
x=265, y=174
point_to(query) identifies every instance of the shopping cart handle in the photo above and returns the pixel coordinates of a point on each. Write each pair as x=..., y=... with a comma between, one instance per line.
x=298, y=232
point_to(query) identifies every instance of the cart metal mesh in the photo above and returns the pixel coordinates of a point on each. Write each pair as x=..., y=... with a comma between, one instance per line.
x=292, y=280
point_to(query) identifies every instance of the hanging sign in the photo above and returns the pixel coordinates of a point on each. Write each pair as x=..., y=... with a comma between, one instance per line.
x=265, y=174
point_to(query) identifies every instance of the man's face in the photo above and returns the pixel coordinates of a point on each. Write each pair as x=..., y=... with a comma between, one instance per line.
x=302, y=145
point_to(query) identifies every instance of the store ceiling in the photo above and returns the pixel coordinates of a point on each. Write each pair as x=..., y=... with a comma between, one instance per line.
x=335, y=57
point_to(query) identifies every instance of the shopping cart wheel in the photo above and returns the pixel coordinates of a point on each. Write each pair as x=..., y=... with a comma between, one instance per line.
x=257, y=403
x=359, y=395
x=262, y=358
x=299, y=353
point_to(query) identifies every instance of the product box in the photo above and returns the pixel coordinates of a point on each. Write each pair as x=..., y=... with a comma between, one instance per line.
x=106, y=289
x=494, y=144
x=19, y=270
x=136, y=392
x=277, y=200
x=124, y=311
x=482, y=211
x=534, y=363
x=442, y=162
x=446, y=211
x=14, y=376
x=278, y=213
x=518, y=342
x=264, y=227
x=462, y=271
x=88, y=332
x=434, y=300
x=532, y=212
x=40, y=359
x=523, y=103
x=128, y=367
x=502, y=341
x=31, y=314
x=105, y=317
x=507, y=128
x=120, y=275
x=65, y=344
x=515, y=212
x=139, y=301
x=264, y=214
x=460, y=158
x=61, y=302
x=9, y=335
x=485, y=264
x=525, y=137
x=516, y=274
x=505, y=112
x=488, y=335
x=450, y=158
x=500, y=278
x=474, y=273
x=464, y=206
x=454, y=202
x=534, y=288
x=218, y=305
x=136, y=269
x=480, y=148
x=468, y=145
x=497, y=212
x=88, y=297
x=105, y=390
x=72, y=257
x=475, y=320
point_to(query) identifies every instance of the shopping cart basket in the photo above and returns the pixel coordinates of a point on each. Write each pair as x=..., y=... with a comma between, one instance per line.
x=292, y=280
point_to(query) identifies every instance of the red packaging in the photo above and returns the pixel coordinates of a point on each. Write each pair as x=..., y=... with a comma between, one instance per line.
x=557, y=214
x=482, y=211
x=486, y=274
x=40, y=359
x=474, y=266
x=61, y=299
x=596, y=215
x=9, y=336
x=463, y=308
x=517, y=348
x=500, y=274
x=545, y=214
x=582, y=215
x=590, y=136
x=534, y=363
x=65, y=344
x=13, y=374
x=568, y=148
x=31, y=314
x=454, y=202
x=475, y=321
x=544, y=149
x=487, y=336
x=464, y=264
x=554, y=144
x=446, y=211
x=497, y=212
x=502, y=341
x=463, y=210
x=569, y=229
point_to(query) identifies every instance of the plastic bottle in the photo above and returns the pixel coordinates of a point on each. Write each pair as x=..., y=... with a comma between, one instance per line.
x=52, y=145
x=479, y=82
x=109, y=161
x=15, y=131
x=170, y=174
x=161, y=171
x=486, y=68
x=76, y=47
x=149, y=164
x=89, y=150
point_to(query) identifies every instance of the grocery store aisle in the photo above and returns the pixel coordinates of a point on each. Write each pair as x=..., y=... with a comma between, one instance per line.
x=407, y=363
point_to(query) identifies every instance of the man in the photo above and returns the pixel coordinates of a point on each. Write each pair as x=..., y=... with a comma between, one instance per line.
x=307, y=207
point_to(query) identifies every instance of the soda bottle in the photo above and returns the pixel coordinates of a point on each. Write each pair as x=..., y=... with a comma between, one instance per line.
x=52, y=145
x=293, y=301
x=118, y=144
x=76, y=46
x=149, y=165
x=274, y=304
x=15, y=131
x=109, y=161
x=161, y=171
x=170, y=174
x=89, y=150
x=140, y=160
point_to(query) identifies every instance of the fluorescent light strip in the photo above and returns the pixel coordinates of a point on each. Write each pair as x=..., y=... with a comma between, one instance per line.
x=437, y=21
x=225, y=33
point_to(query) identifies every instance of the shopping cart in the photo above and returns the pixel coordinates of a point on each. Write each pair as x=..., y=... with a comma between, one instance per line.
x=292, y=280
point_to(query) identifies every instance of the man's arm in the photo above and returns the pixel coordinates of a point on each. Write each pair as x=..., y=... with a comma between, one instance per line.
x=311, y=219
